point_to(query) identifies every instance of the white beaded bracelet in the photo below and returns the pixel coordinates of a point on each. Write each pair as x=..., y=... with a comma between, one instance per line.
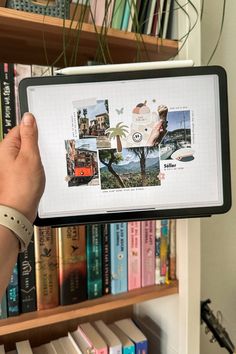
x=18, y=223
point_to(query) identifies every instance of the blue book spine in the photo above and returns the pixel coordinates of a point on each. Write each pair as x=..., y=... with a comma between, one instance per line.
x=3, y=307
x=141, y=347
x=128, y=350
x=126, y=15
x=118, y=251
x=13, y=294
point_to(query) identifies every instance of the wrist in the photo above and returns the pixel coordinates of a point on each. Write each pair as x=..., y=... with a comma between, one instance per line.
x=18, y=224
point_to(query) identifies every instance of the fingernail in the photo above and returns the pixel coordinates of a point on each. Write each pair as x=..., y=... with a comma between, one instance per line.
x=28, y=119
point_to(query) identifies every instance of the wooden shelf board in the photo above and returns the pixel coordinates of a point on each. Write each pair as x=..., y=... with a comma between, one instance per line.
x=23, y=37
x=65, y=313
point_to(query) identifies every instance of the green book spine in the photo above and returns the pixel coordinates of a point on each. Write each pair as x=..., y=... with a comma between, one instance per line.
x=118, y=12
x=3, y=307
x=94, y=261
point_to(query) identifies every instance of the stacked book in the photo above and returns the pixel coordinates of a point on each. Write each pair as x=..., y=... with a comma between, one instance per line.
x=122, y=336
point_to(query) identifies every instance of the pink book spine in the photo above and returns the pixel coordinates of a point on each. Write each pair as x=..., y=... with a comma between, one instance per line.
x=134, y=255
x=148, y=252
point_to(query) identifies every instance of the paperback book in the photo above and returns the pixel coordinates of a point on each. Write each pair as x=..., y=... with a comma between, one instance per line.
x=119, y=265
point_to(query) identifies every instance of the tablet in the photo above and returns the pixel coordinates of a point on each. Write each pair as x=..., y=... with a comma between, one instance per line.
x=145, y=144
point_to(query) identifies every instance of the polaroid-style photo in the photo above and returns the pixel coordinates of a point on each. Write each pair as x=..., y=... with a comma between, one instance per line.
x=81, y=162
x=176, y=144
x=93, y=120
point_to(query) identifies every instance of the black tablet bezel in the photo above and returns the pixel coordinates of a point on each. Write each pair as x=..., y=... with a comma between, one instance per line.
x=145, y=74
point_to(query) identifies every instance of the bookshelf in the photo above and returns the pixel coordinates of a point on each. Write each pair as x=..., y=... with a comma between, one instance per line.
x=175, y=307
x=15, y=27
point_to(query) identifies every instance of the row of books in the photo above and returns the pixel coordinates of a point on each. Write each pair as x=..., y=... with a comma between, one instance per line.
x=151, y=17
x=98, y=337
x=68, y=265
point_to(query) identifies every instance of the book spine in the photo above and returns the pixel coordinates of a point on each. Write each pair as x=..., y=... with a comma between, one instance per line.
x=27, y=286
x=155, y=19
x=148, y=252
x=7, y=97
x=20, y=71
x=126, y=16
x=106, y=267
x=72, y=264
x=134, y=255
x=1, y=120
x=132, y=15
x=164, y=245
x=141, y=347
x=158, y=278
x=13, y=294
x=128, y=350
x=172, y=250
x=117, y=15
x=94, y=261
x=3, y=307
x=46, y=267
x=150, y=17
x=119, y=265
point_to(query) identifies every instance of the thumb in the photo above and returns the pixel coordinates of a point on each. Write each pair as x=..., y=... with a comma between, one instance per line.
x=28, y=134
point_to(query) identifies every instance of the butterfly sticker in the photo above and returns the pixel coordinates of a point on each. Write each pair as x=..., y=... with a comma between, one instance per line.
x=120, y=111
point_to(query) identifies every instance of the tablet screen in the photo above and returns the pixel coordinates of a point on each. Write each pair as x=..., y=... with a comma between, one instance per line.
x=131, y=145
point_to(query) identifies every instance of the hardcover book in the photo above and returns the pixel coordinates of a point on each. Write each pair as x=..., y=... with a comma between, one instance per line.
x=134, y=255
x=106, y=266
x=159, y=279
x=113, y=342
x=172, y=250
x=119, y=265
x=128, y=326
x=128, y=346
x=164, y=247
x=93, y=338
x=27, y=285
x=94, y=261
x=7, y=97
x=72, y=264
x=46, y=267
x=13, y=294
x=148, y=252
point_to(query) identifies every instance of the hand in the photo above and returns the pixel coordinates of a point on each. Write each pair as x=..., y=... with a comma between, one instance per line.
x=21, y=174
x=157, y=134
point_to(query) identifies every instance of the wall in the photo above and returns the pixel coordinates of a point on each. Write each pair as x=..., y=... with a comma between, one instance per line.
x=218, y=241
